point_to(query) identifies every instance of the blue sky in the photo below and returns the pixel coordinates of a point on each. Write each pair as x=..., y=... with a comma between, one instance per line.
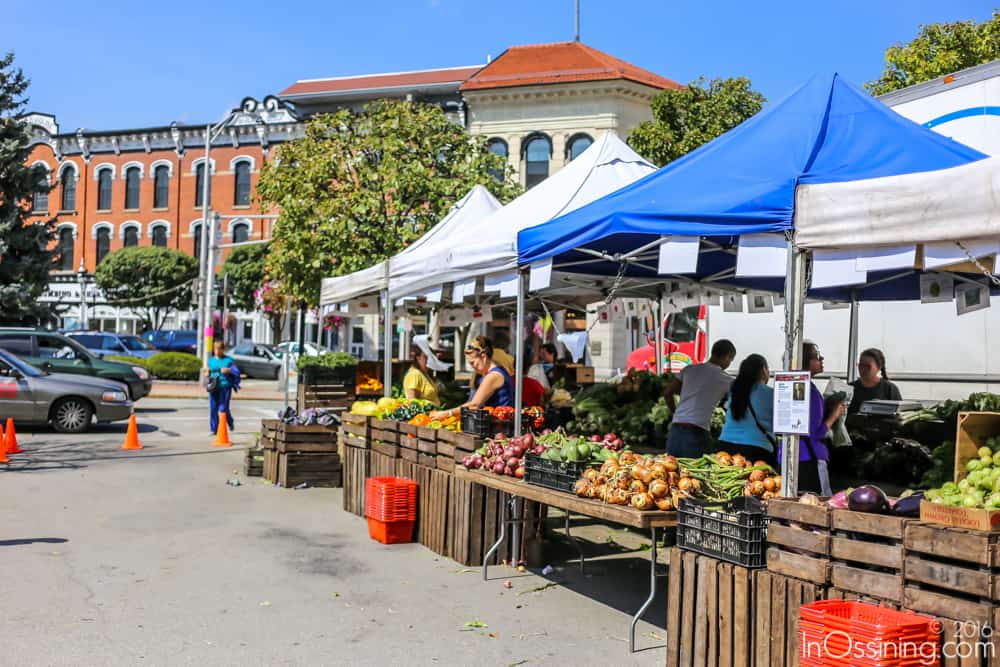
x=106, y=65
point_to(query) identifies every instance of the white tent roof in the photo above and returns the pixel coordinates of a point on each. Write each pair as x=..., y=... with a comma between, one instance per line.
x=490, y=247
x=957, y=204
x=475, y=206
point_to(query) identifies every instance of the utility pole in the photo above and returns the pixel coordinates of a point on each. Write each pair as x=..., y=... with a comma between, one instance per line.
x=577, y=4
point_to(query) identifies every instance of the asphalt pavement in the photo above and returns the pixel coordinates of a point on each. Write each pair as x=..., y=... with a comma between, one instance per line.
x=151, y=558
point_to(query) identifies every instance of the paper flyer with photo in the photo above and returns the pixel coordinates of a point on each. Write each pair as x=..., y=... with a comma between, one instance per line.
x=791, y=402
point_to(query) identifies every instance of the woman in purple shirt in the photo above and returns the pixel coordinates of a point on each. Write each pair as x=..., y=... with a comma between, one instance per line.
x=812, y=448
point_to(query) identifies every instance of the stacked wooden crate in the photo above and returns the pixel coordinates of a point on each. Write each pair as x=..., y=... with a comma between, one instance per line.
x=338, y=397
x=408, y=443
x=866, y=555
x=308, y=455
x=253, y=464
x=269, y=443
x=798, y=539
x=354, y=444
x=427, y=447
x=384, y=436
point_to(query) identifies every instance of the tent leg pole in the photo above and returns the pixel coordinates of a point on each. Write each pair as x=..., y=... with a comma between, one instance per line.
x=795, y=297
x=387, y=344
x=659, y=332
x=518, y=334
x=852, y=339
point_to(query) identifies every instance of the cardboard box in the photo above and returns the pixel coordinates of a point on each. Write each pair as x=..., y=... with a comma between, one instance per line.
x=973, y=430
x=960, y=517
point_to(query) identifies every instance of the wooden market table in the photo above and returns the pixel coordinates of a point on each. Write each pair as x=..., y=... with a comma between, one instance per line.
x=651, y=520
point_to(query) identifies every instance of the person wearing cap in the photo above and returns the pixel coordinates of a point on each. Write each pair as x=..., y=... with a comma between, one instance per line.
x=417, y=383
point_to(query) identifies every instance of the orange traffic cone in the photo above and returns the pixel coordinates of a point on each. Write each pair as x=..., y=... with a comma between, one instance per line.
x=10, y=438
x=132, y=436
x=222, y=433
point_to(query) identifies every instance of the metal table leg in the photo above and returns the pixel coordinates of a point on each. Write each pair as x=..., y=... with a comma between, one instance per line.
x=576, y=543
x=652, y=591
x=504, y=500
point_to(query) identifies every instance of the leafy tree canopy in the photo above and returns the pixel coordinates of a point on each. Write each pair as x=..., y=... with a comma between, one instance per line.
x=245, y=268
x=151, y=280
x=25, y=255
x=937, y=50
x=688, y=117
x=360, y=187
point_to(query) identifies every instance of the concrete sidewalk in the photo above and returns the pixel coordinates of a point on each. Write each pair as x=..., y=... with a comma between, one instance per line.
x=253, y=390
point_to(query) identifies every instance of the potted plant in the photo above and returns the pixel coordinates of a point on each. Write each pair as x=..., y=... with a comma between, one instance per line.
x=332, y=368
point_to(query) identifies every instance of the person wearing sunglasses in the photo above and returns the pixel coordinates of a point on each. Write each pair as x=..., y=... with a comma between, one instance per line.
x=493, y=385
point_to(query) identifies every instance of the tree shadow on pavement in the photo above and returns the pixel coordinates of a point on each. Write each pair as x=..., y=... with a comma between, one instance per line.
x=32, y=540
x=77, y=455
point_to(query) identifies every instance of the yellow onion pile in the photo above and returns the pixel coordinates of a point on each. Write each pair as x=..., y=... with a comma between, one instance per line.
x=641, y=482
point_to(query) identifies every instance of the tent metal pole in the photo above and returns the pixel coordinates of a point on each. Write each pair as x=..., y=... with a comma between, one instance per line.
x=518, y=333
x=795, y=297
x=659, y=331
x=387, y=343
x=852, y=338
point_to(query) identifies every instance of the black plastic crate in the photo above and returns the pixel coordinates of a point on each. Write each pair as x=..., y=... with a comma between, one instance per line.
x=735, y=531
x=481, y=423
x=557, y=475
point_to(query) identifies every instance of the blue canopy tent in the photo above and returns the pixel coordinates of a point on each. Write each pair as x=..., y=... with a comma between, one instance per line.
x=744, y=183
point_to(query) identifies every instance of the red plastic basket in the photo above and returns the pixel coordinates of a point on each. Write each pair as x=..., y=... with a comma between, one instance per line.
x=390, y=532
x=841, y=632
x=391, y=499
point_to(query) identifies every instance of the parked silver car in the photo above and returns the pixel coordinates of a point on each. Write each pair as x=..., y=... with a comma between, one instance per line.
x=256, y=360
x=69, y=402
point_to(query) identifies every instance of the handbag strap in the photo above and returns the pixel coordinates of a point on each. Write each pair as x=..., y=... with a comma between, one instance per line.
x=753, y=413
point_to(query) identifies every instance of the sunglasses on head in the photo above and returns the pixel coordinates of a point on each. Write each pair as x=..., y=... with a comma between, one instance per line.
x=474, y=349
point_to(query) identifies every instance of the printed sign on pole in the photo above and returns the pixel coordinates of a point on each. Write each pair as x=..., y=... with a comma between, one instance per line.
x=791, y=402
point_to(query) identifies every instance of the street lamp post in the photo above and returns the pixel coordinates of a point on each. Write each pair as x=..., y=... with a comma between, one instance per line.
x=82, y=276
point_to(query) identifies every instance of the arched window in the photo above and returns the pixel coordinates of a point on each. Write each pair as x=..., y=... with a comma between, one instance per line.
x=241, y=232
x=199, y=184
x=498, y=147
x=161, y=186
x=65, y=249
x=68, y=182
x=40, y=197
x=160, y=236
x=130, y=237
x=132, y=175
x=104, y=189
x=576, y=145
x=241, y=194
x=537, y=152
x=103, y=243
x=196, y=231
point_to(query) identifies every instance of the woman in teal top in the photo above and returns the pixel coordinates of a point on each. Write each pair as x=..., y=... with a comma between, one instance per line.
x=749, y=428
x=223, y=369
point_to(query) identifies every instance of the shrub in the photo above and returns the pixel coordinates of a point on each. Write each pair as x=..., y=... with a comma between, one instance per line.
x=174, y=366
x=131, y=361
x=328, y=360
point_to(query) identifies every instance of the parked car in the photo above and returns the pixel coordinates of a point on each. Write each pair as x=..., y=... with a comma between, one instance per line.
x=69, y=402
x=256, y=360
x=102, y=344
x=176, y=340
x=54, y=353
x=292, y=348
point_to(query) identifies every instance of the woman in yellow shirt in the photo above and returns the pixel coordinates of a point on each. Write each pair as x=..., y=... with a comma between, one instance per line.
x=417, y=383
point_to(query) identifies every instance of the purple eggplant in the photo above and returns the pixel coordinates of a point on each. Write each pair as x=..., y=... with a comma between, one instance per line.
x=869, y=499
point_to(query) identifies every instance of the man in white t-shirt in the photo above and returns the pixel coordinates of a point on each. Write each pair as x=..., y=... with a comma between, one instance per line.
x=702, y=388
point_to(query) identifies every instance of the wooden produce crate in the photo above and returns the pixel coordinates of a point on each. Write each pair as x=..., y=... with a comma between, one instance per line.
x=776, y=616
x=427, y=460
x=268, y=433
x=384, y=437
x=710, y=606
x=331, y=396
x=355, y=471
x=445, y=448
x=462, y=441
x=801, y=553
x=271, y=465
x=866, y=554
x=474, y=513
x=253, y=464
x=445, y=463
x=313, y=438
x=427, y=440
x=311, y=468
x=354, y=430
x=433, y=509
x=952, y=572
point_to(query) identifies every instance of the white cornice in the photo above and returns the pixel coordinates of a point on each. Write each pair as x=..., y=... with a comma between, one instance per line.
x=599, y=122
x=597, y=89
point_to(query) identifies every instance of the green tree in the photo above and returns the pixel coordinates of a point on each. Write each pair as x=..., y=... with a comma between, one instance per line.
x=150, y=280
x=360, y=187
x=937, y=50
x=25, y=255
x=686, y=118
x=245, y=268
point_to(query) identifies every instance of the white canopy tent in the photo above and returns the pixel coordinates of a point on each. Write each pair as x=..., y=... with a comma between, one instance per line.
x=490, y=249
